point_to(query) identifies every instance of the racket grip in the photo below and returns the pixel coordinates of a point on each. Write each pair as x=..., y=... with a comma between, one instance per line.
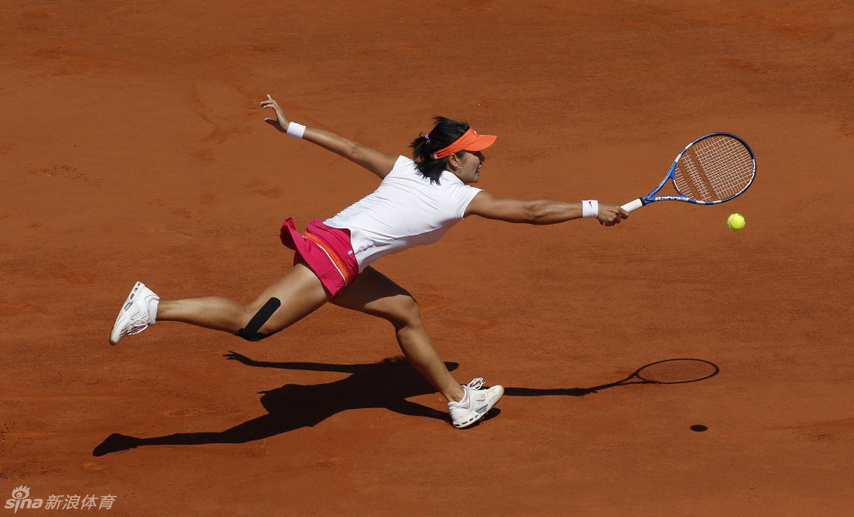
x=632, y=205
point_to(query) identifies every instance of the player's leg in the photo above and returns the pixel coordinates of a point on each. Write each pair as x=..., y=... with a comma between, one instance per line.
x=374, y=294
x=286, y=301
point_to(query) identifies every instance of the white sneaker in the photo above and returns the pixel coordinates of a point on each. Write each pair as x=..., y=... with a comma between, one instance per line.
x=138, y=312
x=475, y=404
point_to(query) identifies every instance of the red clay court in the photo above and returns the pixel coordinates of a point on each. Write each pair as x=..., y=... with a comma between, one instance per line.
x=133, y=148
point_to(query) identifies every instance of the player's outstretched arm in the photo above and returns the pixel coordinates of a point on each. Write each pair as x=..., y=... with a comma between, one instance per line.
x=540, y=211
x=378, y=162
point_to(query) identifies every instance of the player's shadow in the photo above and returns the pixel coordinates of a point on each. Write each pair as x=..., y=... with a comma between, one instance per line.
x=386, y=384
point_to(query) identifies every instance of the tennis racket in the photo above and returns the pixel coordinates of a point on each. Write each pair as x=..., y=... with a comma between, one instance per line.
x=710, y=170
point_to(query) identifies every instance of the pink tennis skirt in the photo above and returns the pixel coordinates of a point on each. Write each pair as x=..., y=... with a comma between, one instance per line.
x=325, y=250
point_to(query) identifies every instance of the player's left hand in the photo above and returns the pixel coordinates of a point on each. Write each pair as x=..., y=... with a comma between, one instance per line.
x=281, y=121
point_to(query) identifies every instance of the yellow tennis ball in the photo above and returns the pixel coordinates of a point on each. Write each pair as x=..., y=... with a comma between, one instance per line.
x=735, y=222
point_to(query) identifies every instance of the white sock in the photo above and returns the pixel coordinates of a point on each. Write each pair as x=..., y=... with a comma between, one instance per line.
x=152, y=310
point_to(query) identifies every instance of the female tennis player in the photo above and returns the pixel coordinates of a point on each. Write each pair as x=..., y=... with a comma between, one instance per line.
x=416, y=202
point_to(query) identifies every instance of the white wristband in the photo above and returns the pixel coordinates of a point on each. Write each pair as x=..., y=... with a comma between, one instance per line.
x=589, y=208
x=296, y=130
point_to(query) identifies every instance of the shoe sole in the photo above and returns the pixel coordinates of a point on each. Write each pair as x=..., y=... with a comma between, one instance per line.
x=479, y=413
x=116, y=335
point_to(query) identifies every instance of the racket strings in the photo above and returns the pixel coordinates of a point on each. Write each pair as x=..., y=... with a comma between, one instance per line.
x=714, y=169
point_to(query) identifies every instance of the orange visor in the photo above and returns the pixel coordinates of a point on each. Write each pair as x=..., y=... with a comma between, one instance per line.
x=470, y=141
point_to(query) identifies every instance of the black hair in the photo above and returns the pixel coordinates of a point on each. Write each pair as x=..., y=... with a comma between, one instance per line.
x=443, y=134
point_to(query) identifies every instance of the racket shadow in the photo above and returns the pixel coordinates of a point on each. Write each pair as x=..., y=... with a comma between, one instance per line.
x=387, y=384
x=667, y=371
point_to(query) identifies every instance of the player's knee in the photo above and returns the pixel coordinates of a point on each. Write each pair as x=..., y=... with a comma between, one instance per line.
x=252, y=331
x=406, y=313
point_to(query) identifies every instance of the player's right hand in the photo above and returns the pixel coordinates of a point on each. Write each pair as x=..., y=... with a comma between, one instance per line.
x=609, y=215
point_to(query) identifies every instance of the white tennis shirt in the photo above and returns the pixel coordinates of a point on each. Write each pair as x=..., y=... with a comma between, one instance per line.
x=405, y=211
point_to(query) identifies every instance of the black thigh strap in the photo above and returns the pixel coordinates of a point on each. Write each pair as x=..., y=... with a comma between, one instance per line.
x=250, y=332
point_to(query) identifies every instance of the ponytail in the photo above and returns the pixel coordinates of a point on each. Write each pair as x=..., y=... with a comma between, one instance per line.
x=443, y=134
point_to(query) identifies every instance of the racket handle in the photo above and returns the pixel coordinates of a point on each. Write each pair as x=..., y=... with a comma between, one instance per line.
x=632, y=205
